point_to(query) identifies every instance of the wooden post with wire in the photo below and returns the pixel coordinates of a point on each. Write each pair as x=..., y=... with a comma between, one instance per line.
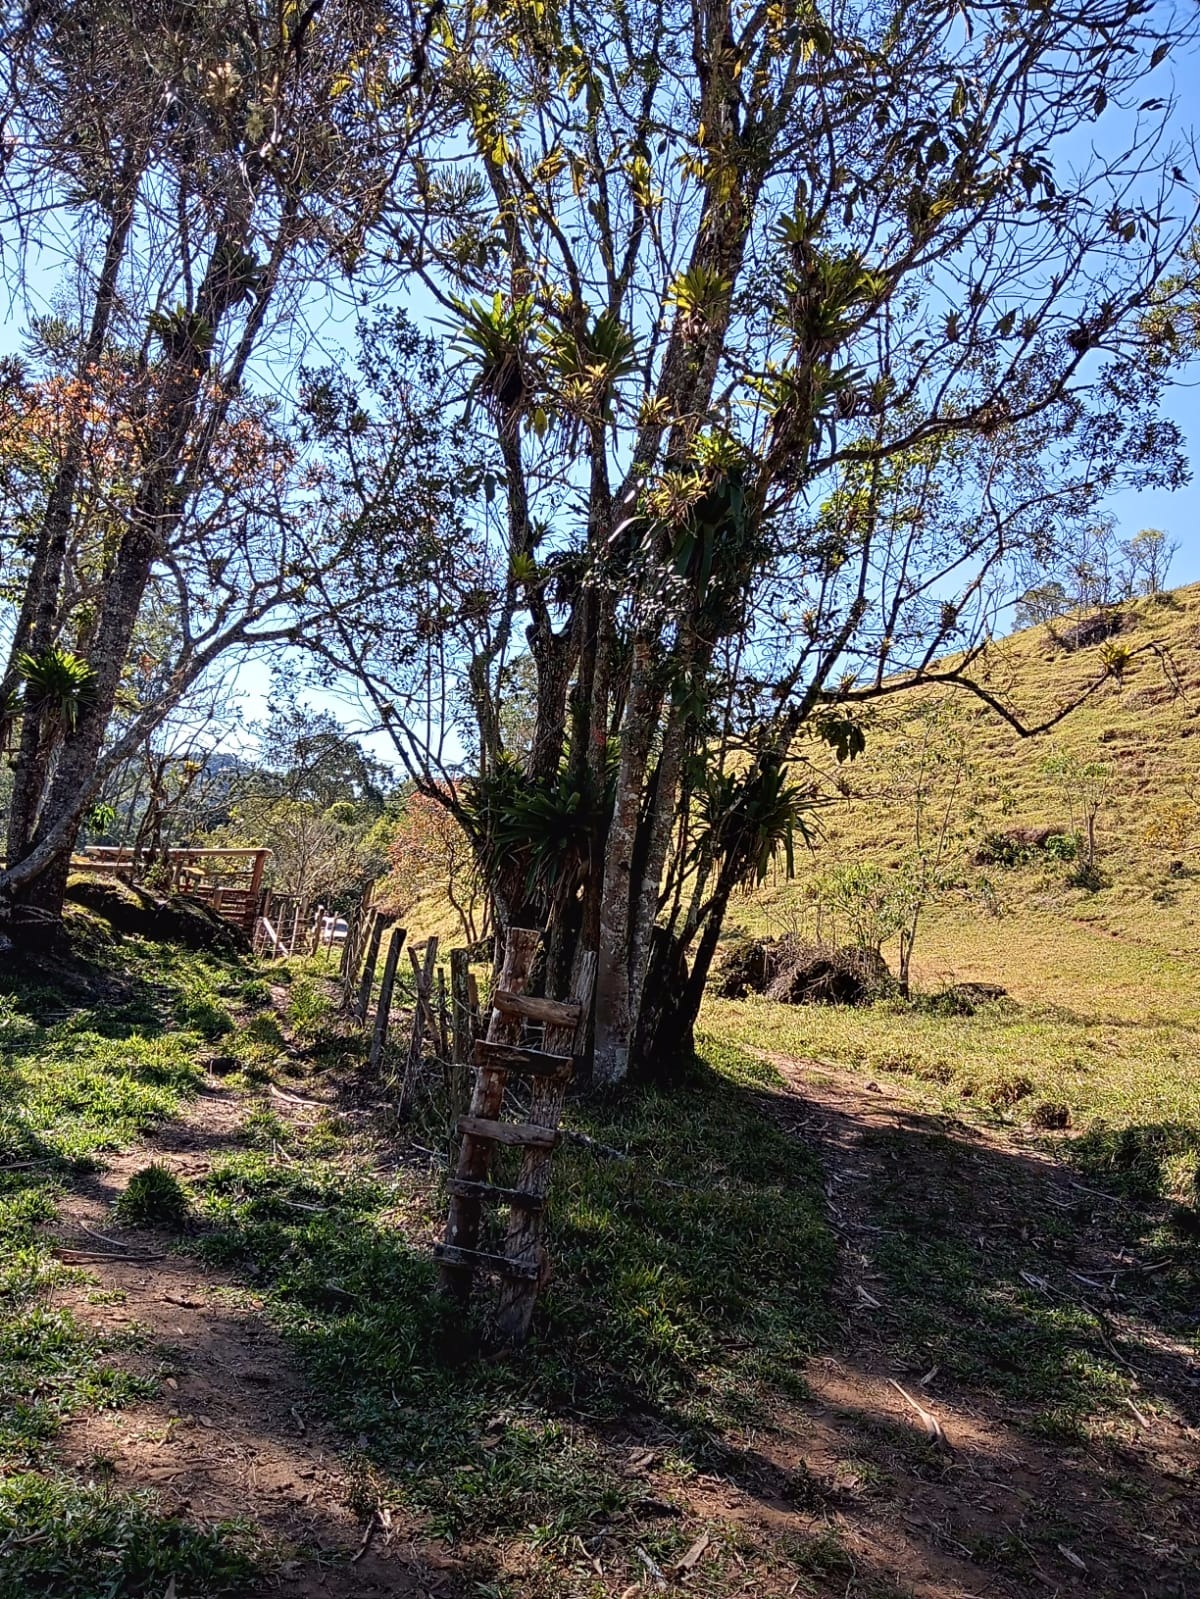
x=521, y=1265
x=387, y=984
x=370, y=961
x=424, y=1020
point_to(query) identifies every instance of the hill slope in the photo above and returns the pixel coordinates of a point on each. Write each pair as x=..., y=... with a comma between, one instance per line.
x=951, y=754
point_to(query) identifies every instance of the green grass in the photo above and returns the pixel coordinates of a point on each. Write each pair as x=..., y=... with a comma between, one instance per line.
x=690, y=1284
x=62, y=1540
x=1108, y=1025
x=976, y=1254
x=88, y=1063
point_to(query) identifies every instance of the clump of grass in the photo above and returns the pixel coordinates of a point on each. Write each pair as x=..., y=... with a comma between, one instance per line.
x=199, y=1009
x=254, y=993
x=309, y=1008
x=1007, y=1089
x=264, y=1029
x=153, y=1197
x=264, y=1128
x=61, y=1540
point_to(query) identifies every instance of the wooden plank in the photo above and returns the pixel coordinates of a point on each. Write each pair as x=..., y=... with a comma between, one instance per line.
x=523, y=1238
x=517, y=1135
x=492, y=1193
x=475, y=1156
x=453, y=1254
x=525, y=1062
x=552, y=1012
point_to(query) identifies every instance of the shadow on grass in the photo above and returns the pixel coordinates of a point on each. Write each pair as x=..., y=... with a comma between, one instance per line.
x=691, y=1283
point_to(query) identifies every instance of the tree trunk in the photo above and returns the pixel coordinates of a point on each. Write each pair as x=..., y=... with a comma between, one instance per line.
x=615, y=1017
x=37, y=624
x=156, y=509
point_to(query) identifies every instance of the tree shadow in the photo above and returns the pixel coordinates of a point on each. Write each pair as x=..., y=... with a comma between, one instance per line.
x=1001, y=1292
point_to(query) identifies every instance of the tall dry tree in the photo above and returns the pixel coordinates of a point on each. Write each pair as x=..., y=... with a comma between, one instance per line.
x=202, y=172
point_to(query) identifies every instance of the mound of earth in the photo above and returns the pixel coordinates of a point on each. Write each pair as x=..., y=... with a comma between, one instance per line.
x=178, y=919
x=794, y=972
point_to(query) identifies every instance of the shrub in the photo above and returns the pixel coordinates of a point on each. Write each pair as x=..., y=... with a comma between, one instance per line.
x=1062, y=846
x=153, y=1197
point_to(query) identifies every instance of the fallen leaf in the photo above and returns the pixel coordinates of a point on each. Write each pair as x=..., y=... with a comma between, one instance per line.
x=1069, y=1554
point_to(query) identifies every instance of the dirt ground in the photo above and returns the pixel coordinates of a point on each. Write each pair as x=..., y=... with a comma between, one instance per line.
x=928, y=1490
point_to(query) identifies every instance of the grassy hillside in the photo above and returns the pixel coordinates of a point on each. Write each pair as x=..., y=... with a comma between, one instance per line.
x=1139, y=729
x=1101, y=1023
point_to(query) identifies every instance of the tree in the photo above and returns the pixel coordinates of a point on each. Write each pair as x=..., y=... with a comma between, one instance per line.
x=1148, y=556
x=1086, y=788
x=931, y=769
x=202, y=170
x=789, y=339
x=431, y=857
x=1042, y=603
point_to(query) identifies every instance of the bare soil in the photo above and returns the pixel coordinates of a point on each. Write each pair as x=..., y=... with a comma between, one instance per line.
x=977, y=1509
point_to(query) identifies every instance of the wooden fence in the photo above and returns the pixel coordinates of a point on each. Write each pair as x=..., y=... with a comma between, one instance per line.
x=229, y=880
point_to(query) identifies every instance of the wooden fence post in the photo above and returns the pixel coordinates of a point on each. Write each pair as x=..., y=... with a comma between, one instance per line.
x=460, y=1004
x=387, y=983
x=368, y=972
x=352, y=922
x=423, y=1020
x=487, y=1098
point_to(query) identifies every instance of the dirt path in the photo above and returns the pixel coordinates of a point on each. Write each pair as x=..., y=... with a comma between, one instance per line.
x=981, y=1507
x=850, y=1485
x=235, y=1432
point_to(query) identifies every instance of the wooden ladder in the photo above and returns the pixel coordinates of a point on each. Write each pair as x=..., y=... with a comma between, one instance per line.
x=549, y=1069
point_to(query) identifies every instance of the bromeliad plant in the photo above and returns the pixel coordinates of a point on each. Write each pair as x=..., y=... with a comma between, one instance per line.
x=58, y=685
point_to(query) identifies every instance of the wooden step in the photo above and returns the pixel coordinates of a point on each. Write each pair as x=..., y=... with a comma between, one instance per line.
x=527, y=1062
x=520, y=1134
x=553, y=1012
x=452, y=1255
x=494, y=1194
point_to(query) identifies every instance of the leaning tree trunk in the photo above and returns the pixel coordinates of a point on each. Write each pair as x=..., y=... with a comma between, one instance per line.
x=38, y=621
x=35, y=897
